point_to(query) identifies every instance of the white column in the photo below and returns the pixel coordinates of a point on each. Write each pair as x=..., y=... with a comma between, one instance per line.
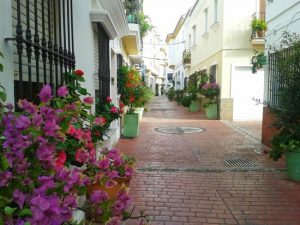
x=6, y=47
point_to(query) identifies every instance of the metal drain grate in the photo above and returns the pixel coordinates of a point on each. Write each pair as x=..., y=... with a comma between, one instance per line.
x=239, y=162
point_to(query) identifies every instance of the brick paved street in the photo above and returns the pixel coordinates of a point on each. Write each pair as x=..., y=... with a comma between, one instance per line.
x=182, y=179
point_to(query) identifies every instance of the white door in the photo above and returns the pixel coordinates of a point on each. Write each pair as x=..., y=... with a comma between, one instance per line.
x=245, y=87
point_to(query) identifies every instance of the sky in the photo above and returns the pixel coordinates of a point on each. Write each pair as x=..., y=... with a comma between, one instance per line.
x=166, y=13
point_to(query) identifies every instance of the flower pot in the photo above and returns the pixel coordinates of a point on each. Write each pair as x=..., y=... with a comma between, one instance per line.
x=194, y=106
x=140, y=112
x=131, y=125
x=260, y=34
x=211, y=111
x=292, y=160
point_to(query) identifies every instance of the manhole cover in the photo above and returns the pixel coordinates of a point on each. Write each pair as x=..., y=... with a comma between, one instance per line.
x=180, y=130
x=162, y=109
x=238, y=162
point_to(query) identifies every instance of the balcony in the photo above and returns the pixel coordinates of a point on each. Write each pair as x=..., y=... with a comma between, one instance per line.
x=259, y=27
x=186, y=59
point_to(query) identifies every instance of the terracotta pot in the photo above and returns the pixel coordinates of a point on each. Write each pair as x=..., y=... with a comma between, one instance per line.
x=111, y=191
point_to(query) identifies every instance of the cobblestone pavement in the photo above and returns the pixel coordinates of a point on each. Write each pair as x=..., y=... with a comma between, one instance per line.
x=182, y=179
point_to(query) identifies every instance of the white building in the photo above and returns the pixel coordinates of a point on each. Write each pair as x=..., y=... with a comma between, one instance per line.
x=154, y=58
x=176, y=42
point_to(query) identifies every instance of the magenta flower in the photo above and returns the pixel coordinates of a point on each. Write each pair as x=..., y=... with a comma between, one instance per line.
x=98, y=196
x=88, y=100
x=128, y=171
x=62, y=91
x=22, y=122
x=19, y=198
x=103, y=163
x=100, y=121
x=114, y=109
x=5, y=178
x=45, y=94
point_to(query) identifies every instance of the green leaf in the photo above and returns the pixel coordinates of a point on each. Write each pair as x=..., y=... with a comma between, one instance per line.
x=1, y=67
x=27, y=223
x=9, y=211
x=3, y=162
x=1, y=221
x=82, y=91
x=25, y=212
x=2, y=96
x=3, y=201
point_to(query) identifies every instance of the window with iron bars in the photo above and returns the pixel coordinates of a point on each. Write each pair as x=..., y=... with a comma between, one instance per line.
x=44, y=49
x=102, y=76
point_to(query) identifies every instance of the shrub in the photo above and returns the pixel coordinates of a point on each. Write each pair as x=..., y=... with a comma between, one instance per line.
x=186, y=100
x=171, y=94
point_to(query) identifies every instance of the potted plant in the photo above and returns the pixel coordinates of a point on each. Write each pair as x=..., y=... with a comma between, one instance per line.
x=259, y=27
x=130, y=95
x=211, y=92
x=192, y=89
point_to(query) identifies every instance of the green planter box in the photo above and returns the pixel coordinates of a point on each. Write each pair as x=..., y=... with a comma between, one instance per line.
x=292, y=160
x=194, y=106
x=211, y=111
x=140, y=112
x=131, y=125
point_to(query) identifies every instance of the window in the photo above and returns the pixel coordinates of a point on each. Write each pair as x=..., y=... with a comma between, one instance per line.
x=194, y=35
x=44, y=45
x=190, y=41
x=215, y=11
x=205, y=20
x=103, y=64
x=213, y=73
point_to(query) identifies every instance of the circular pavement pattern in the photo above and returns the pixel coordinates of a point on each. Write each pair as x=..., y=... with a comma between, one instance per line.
x=179, y=130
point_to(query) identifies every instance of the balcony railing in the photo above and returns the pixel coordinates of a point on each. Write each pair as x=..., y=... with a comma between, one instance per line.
x=186, y=57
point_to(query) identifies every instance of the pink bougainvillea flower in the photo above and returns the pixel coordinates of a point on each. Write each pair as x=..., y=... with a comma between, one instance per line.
x=103, y=163
x=88, y=100
x=108, y=99
x=45, y=94
x=79, y=73
x=62, y=91
x=81, y=156
x=98, y=196
x=114, y=109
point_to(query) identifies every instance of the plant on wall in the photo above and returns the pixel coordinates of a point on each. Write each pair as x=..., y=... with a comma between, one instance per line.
x=145, y=24
x=258, y=61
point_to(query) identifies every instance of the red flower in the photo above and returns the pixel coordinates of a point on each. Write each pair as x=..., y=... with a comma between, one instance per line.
x=121, y=105
x=79, y=73
x=131, y=99
x=72, y=130
x=61, y=159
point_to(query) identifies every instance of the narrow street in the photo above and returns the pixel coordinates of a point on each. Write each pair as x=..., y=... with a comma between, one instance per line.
x=182, y=177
